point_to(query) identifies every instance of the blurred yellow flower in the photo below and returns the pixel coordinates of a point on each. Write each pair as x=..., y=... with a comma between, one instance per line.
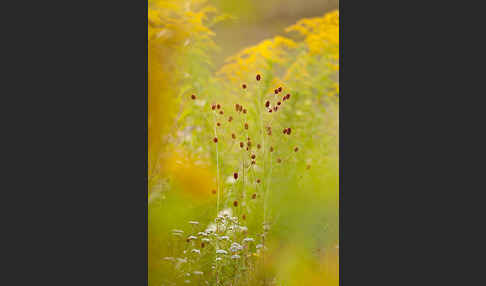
x=321, y=33
x=190, y=173
x=256, y=58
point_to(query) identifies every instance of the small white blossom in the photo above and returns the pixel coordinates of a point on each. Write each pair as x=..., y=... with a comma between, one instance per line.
x=192, y=237
x=187, y=281
x=226, y=212
x=205, y=239
x=235, y=247
x=177, y=231
x=224, y=237
x=221, y=251
x=169, y=258
x=197, y=273
x=248, y=239
x=196, y=251
x=219, y=258
x=259, y=246
x=236, y=256
x=188, y=274
x=243, y=228
x=194, y=222
x=182, y=260
x=211, y=228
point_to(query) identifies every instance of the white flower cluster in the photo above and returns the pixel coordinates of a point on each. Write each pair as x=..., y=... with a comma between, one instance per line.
x=235, y=247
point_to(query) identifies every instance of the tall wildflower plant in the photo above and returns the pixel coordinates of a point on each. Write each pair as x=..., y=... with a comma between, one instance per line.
x=256, y=145
x=249, y=141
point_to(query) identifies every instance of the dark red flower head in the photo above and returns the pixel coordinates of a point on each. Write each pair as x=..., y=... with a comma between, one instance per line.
x=280, y=89
x=267, y=103
x=193, y=97
x=243, y=86
x=258, y=77
x=215, y=140
x=235, y=203
x=235, y=175
x=218, y=106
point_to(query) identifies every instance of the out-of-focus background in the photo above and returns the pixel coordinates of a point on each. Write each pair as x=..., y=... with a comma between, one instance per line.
x=257, y=20
x=243, y=142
